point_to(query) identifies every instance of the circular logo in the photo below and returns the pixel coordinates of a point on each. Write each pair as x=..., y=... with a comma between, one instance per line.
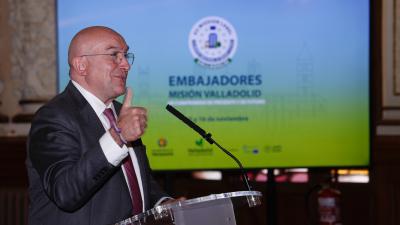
x=162, y=142
x=213, y=42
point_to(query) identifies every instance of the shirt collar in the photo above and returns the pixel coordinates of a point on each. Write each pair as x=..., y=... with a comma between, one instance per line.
x=97, y=105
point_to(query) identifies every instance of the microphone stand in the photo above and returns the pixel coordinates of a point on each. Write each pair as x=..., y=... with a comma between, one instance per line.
x=209, y=139
x=244, y=175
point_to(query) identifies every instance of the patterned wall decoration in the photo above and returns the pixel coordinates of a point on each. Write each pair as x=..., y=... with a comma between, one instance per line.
x=390, y=114
x=28, y=76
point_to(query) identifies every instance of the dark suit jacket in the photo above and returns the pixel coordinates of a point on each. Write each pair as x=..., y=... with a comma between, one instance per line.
x=70, y=180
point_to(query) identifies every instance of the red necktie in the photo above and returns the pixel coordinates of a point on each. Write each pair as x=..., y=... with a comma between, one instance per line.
x=129, y=171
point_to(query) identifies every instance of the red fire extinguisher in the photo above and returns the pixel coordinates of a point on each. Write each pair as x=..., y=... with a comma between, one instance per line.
x=328, y=206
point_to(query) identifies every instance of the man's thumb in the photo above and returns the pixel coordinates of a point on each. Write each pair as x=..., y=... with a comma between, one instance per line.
x=128, y=98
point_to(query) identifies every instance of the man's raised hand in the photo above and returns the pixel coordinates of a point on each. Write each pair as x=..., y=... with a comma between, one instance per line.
x=131, y=120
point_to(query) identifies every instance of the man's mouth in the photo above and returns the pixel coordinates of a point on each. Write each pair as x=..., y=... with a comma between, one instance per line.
x=121, y=77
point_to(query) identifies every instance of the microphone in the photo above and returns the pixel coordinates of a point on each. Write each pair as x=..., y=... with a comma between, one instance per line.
x=208, y=138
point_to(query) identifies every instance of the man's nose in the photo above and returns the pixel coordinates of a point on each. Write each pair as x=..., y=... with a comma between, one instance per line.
x=125, y=64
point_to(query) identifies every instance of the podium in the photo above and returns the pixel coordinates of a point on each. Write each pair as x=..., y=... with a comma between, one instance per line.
x=215, y=209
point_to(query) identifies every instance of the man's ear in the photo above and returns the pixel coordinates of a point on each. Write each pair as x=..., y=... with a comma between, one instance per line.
x=80, y=65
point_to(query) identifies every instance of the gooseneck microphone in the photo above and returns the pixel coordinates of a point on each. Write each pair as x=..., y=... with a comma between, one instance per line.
x=208, y=138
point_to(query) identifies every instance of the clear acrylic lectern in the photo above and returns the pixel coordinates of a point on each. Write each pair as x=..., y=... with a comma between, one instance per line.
x=215, y=209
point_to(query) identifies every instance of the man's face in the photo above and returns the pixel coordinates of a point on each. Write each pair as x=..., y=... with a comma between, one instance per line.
x=106, y=74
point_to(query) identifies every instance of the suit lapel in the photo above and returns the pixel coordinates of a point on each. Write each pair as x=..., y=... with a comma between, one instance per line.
x=88, y=115
x=91, y=123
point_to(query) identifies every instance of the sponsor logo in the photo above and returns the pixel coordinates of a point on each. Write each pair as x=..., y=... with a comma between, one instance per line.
x=199, y=149
x=162, y=142
x=251, y=149
x=162, y=150
x=199, y=142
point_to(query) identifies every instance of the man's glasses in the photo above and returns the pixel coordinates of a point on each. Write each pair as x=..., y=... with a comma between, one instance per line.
x=117, y=56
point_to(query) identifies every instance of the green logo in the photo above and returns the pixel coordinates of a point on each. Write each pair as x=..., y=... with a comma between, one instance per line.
x=199, y=142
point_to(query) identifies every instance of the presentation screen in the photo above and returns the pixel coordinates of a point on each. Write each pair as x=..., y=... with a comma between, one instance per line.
x=278, y=83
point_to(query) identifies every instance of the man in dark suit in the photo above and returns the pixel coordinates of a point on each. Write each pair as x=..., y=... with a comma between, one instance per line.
x=86, y=162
